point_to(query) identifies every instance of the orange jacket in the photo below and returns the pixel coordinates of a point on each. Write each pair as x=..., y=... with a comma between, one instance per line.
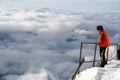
x=103, y=39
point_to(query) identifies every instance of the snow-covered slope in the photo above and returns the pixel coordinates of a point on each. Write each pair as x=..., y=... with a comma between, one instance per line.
x=110, y=72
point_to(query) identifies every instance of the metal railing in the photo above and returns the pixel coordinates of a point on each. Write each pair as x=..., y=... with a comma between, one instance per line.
x=82, y=60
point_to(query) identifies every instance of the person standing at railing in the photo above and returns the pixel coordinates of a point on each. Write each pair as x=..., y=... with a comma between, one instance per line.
x=103, y=43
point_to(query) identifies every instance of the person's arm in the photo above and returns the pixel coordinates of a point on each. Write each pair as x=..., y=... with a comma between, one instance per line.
x=100, y=38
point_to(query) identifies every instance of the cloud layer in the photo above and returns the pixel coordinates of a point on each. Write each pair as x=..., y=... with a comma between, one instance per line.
x=45, y=42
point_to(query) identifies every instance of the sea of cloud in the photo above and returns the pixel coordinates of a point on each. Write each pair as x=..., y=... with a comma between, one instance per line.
x=44, y=44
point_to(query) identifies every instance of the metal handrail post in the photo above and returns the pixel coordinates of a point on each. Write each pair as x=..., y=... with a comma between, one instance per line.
x=95, y=55
x=80, y=52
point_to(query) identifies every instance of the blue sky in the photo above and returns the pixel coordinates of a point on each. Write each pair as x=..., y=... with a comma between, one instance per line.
x=73, y=5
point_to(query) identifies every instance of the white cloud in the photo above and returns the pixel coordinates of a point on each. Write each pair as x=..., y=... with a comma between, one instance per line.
x=43, y=75
x=32, y=40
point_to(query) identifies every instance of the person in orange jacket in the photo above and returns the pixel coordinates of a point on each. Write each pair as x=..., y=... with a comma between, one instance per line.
x=103, y=43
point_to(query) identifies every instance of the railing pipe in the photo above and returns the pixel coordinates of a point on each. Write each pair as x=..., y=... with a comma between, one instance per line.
x=80, y=52
x=95, y=55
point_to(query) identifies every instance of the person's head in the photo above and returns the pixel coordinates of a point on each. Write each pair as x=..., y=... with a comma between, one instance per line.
x=100, y=28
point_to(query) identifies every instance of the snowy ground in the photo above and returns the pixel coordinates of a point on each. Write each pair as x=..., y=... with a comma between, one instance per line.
x=110, y=72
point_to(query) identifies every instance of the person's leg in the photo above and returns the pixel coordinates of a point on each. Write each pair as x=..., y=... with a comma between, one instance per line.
x=102, y=56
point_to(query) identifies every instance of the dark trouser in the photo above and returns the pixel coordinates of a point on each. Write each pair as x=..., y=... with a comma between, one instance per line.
x=102, y=56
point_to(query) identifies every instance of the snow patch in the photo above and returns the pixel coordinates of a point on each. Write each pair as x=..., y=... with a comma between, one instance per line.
x=88, y=74
x=110, y=72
